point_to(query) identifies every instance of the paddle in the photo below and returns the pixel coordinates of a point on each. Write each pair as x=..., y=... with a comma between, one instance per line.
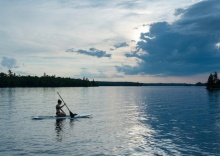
x=71, y=114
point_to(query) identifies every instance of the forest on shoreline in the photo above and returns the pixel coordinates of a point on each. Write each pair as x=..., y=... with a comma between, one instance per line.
x=13, y=80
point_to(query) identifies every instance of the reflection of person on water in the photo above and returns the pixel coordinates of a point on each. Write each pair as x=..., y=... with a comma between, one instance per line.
x=59, y=111
x=59, y=128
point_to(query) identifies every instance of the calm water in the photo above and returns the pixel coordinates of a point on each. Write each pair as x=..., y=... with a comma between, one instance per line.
x=126, y=121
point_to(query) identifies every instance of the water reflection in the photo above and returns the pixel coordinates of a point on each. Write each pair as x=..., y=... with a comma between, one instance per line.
x=59, y=125
x=138, y=133
x=60, y=128
x=214, y=108
x=71, y=123
x=214, y=96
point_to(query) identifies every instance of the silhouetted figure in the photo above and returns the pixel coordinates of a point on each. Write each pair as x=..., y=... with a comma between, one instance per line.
x=59, y=111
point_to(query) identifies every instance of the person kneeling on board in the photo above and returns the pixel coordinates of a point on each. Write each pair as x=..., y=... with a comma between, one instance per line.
x=59, y=111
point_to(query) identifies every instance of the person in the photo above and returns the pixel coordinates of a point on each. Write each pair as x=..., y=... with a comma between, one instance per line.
x=59, y=111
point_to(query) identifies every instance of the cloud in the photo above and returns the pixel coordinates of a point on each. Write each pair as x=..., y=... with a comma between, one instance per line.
x=188, y=46
x=97, y=74
x=9, y=62
x=91, y=52
x=117, y=76
x=92, y=75
x=120, y=45
x=179, y=11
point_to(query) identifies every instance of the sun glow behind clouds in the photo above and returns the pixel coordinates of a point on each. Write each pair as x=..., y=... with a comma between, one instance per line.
x=138, y=30
x=218, y=45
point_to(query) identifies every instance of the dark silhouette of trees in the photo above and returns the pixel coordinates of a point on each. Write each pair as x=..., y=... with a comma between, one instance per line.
x=213, y=81
x=13, y=80
x=200, y=84
x=106, y=83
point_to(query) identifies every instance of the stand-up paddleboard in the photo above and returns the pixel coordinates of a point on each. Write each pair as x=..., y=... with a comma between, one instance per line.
x=57, y=117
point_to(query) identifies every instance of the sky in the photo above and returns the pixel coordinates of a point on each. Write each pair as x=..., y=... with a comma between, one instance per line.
x=149, y=41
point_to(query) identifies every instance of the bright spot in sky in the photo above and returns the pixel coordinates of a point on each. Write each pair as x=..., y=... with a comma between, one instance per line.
x=138, y=31
x=218, y=45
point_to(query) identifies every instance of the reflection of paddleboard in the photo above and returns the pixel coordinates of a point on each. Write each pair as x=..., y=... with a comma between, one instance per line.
x=65, y=117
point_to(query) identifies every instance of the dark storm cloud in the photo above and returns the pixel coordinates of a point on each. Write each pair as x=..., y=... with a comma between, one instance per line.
x=184, y=47
x=9, y=62
x=91, y=52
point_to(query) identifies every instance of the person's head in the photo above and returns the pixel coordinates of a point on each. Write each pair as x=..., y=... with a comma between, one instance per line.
x=59, y=101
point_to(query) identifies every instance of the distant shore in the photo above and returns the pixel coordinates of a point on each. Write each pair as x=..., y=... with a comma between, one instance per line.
x=108, y=83
x=13, y=80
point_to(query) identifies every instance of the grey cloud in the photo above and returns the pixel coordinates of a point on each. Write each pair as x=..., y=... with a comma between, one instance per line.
x=117, y=76
x=179, y=11
x=85, y=73
x=9, y=62
x=120, y=45
x=98, y=74
x=130, y=4
x=185, y=47
x=91, y=52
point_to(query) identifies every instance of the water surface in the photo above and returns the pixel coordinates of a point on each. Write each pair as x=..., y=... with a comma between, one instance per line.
x=125, y=121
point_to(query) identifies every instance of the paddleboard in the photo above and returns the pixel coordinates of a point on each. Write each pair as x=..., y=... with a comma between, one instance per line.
x=65, y=117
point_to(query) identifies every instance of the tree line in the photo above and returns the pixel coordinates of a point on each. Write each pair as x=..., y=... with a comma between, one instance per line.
x=213, y=81
x=10, y=79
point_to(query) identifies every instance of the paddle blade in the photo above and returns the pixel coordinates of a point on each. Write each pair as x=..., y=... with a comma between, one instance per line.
x=72, y=115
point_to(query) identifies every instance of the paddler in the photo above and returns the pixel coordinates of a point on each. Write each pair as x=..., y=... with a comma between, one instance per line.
x=59, y=111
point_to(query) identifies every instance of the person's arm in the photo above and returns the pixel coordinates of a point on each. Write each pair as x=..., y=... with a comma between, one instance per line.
x=62, y=106
x=62, y=110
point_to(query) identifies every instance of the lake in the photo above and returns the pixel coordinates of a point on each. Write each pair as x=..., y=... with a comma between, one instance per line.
x=128, y=121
